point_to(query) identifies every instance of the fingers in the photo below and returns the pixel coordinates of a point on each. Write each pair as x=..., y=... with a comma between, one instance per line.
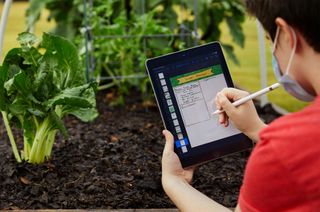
x=223, y=117
x=226, y=123
x=225, y=97
x=234, y=94
x=225, y=103
x=169, y=146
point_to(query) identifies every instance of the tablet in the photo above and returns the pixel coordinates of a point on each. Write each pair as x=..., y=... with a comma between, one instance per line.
x=185, y=84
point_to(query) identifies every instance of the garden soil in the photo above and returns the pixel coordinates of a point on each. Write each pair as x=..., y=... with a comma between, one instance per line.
x=112, y=162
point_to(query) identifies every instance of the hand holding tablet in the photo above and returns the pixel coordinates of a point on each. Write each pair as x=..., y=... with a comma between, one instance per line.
x=185, y=85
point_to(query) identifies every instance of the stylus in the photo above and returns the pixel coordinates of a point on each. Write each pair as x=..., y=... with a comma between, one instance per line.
x=251, y=96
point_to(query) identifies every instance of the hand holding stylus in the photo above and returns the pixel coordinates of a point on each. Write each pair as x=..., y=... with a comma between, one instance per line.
x=251, y=96
x=244, y=118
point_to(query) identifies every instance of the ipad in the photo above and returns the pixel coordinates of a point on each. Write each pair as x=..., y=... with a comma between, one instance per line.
x=185, y=84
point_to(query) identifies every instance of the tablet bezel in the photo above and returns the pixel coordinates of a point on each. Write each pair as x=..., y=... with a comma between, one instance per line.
x=214, y=149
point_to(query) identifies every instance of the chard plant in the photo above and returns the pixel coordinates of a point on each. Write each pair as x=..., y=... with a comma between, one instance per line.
x=40, y=83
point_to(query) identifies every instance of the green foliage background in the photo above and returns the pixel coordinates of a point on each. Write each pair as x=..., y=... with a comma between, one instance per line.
x=130, y=21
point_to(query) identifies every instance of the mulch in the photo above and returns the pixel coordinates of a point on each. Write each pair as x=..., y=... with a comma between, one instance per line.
x=112, y=162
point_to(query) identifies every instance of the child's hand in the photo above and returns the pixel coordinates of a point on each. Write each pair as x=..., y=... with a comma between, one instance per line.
x=244, y=117
x=176, y=182
x=172, y=170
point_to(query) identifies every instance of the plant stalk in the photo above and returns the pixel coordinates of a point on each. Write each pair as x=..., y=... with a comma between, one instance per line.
x=49, y=143
x=107, y=86
x=11, y=138
x=37, y=153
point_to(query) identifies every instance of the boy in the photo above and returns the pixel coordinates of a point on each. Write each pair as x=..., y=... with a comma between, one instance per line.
x=283, y=170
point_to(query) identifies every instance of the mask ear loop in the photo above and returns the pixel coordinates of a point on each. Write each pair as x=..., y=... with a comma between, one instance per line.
x=275, y=40
x=293, y=51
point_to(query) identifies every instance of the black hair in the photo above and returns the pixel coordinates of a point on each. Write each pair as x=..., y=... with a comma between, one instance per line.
x=303, y=15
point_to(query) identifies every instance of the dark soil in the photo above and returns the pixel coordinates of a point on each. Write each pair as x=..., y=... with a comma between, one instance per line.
x=113, y=162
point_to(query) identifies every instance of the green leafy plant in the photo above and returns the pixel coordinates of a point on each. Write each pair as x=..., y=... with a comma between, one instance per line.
x=38, y=87
x=125, y=50
x=121, y=32
x=213, y=13
x=66, y=14
x=210, y=15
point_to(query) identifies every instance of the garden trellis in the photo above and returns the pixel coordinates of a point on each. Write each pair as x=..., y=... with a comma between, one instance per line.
x=186, y=32
x=188, y=35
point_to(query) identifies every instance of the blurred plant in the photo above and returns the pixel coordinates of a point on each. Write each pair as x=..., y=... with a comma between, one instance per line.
x=68, y=15
x=211, y=14
x=122, y=31
x=214, y=12
x=122, y=52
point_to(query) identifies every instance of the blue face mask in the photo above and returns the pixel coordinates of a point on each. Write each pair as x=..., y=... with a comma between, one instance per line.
x=289, y=84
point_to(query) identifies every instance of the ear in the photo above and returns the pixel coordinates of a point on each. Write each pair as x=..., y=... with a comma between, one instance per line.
x=287, y=32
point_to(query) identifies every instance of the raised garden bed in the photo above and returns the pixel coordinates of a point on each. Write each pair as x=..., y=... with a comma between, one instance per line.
x=113, y=162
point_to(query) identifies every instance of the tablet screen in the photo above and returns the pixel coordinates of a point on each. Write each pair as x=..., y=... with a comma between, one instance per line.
x=194, y=93
x=185, y=85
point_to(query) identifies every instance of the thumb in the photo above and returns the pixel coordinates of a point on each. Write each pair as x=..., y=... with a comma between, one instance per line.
x=225, y=104
x=169, y=147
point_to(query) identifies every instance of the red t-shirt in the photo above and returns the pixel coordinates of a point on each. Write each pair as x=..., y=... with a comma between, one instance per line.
x=283, y=171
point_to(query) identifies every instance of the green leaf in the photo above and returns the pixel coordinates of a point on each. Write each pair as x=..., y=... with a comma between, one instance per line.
x=27, y=40
x=20, y=83
x=84, y=114
x=29, y=129
x=230, y=53
x=236, y=31
x=48, y=78
x=73, y=97
x=34, y=11
x=18, y=106
x=12, y=62
x=57, y=123
x=37, y=112
x=3, y=78
x=67, y=57
x=9, y=86
x=72, y=101
x=31, y=57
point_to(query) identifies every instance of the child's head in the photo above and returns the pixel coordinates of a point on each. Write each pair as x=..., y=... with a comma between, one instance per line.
x=296, y=24
x=300, y=14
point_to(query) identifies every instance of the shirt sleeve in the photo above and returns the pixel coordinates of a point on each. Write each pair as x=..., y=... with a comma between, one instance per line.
x=267, y=185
